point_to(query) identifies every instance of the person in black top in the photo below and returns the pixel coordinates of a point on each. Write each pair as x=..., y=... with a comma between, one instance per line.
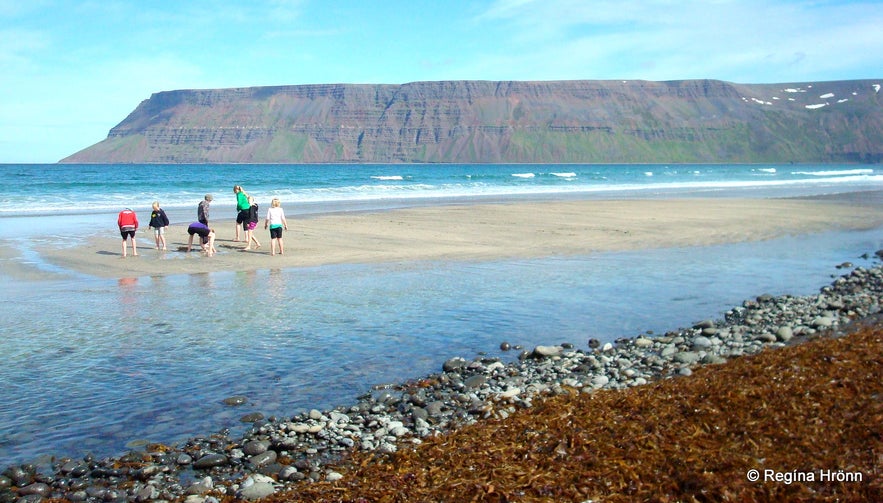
x=159, y=221
x=202, y=209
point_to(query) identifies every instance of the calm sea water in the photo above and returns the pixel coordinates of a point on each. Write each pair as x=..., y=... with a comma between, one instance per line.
x=91, y=365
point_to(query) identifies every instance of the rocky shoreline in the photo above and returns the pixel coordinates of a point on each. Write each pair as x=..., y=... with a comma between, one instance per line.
x=279, y=453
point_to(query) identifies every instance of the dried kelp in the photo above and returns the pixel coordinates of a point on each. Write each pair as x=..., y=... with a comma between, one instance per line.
x=812, y=410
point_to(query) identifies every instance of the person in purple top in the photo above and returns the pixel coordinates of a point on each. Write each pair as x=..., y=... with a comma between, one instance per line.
x=206, y=235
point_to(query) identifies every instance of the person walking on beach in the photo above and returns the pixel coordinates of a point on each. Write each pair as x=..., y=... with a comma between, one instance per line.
x=202, y=209
x=276, y=222
x=206, y=236
x=251, y=224
x=159, y=221
x=128, y=224
x=241, y=208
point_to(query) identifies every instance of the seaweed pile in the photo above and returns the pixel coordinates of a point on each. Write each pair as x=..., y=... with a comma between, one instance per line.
x=807, y=417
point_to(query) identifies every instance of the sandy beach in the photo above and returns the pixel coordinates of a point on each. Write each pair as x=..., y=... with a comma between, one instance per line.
x=472, y=232
x=164, y=373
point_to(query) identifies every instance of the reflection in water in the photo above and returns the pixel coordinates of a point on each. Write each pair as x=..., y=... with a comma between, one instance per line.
x=276, y=284
x=128, y=299
x=201, y=281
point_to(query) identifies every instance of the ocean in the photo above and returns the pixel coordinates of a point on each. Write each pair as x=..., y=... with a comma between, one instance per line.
x=76, y=189
x=99, y=366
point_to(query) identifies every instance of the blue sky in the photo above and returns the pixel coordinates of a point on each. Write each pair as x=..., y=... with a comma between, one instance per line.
x=71, y=70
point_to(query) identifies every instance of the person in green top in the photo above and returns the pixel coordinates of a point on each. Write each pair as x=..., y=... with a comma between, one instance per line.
x=242, y=207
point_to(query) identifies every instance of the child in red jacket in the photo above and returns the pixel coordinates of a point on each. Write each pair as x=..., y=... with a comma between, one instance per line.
x=128, y=223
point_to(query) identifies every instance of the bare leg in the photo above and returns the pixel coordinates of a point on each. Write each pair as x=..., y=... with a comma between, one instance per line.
x=190, y=243
x=281, y=249
x=134, y=246
x=210, y=245
x=124, y=247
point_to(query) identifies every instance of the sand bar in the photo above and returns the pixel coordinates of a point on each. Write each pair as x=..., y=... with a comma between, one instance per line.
x=476, y=232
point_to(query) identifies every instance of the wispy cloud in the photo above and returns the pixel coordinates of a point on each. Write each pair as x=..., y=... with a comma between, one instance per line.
x=747, y=41
x=18, y=45
x=82, y=62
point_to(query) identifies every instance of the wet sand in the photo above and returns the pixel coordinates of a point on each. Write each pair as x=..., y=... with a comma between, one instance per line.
x=469, y=232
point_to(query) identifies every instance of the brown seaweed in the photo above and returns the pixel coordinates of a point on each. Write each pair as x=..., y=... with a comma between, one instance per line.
x=808, y=410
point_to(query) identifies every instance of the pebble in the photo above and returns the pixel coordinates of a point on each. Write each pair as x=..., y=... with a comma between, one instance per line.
x=38, y=489
x=288, y=473
x=704, y=324
x=701, y=342
x=475, y=381
x=712, y=359
x=822, y=321
x=784, y=334
x=256, y=447
x=547, y=351
x=454, y=364
x=766, y=337
x=510, y=393
x=295, y=449
x=234, y=401
x=599, y=381
x=201, y=486
x=687, y=357
x=256, y=491
x=643, y=342
x=251, y=418
x=263, y=459
x=210, y=461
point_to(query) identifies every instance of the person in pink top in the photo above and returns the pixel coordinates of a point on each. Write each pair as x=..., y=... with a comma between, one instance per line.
x=128, y=224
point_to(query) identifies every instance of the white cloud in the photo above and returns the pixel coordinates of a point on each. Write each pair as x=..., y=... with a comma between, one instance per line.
x=730, y=40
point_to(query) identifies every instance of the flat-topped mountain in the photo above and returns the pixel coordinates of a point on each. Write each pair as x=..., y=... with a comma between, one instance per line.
x=580, y=121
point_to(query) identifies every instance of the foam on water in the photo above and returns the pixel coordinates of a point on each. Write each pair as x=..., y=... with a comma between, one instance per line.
x=390, y=177
x=836, y=173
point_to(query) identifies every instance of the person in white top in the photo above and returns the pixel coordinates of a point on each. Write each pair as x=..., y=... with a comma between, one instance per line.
x=276, y=222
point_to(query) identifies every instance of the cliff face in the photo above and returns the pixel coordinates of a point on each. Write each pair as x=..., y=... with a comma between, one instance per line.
x=495, y=122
